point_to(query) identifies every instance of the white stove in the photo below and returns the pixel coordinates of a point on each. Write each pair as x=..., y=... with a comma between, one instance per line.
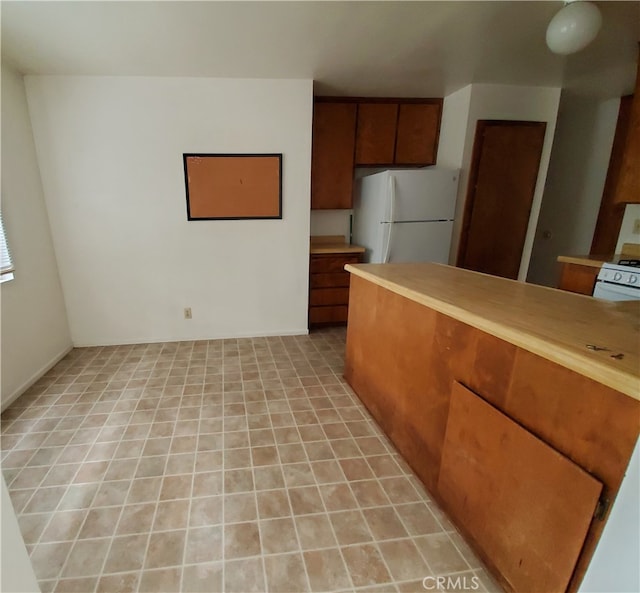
x=619, y=282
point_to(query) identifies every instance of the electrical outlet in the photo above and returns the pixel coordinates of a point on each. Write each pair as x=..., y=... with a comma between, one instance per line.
x=187, y=312
x=636, y=226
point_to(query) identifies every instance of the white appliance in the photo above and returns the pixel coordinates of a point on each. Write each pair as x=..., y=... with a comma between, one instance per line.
x=618, y=282
x=405, y=215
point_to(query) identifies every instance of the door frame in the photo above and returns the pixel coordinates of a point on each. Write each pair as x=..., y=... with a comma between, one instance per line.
x=474, y=166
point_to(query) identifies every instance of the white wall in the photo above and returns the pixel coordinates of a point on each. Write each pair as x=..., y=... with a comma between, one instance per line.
x=453, y=136
x=614, y=566
x=631, y=213
x=331, y=222
x=110, y=152
x=503, y=102
x=16, y=572
x=34, y=328
x=577, y=174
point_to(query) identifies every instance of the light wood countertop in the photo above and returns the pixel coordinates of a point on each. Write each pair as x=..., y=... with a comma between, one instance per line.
x=554, y=324
x=591, y=261
x=629, y=251
x=332, y=244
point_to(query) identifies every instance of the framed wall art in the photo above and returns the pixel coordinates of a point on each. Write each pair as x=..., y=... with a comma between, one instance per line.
x=233, y=186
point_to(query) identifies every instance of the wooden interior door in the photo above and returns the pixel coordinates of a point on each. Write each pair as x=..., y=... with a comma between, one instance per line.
x=502, y=180
x=527, y=506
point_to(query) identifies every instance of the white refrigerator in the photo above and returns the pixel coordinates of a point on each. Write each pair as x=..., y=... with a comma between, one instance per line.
x=405, y=215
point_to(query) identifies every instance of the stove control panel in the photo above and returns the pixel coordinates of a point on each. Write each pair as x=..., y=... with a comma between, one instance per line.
x=617, y=274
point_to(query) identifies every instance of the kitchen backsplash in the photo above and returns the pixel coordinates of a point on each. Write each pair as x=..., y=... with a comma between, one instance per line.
x=331, y=222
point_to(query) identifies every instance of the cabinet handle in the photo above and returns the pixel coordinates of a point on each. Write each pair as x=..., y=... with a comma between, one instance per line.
x=392, y=204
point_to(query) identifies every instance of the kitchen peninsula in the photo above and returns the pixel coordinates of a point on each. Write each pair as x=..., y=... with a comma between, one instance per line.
x=517, y=406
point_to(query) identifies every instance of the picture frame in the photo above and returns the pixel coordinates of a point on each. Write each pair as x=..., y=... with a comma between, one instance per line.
x=233, y=186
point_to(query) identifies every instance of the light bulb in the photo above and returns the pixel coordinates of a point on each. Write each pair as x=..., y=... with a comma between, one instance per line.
x=573, y=28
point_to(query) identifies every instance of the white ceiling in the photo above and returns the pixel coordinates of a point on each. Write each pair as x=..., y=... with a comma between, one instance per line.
x=357, y=48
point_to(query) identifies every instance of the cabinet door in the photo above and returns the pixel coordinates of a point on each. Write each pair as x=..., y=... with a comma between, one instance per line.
x=526, y=506
x=611, y=213
x=628, y=189
x=376, y=135
x=334, y=132
x=577, y=278
x=417, y=138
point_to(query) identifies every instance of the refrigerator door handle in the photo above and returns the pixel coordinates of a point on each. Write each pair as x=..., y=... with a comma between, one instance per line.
x=392, y=203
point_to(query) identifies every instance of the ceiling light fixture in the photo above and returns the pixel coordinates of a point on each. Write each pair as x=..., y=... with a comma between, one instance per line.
x=574, y=27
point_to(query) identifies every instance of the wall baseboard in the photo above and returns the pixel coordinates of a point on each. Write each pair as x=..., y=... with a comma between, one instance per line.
x=31, y=380
x=56, y=359
x=300, y=332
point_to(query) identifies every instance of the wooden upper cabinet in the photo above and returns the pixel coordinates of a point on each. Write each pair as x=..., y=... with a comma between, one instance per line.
x=611, y=213
x=417, y=137
x=376, y=133
x=350, y=132
x=628, y=188
x=334, y=137
x=397, y=132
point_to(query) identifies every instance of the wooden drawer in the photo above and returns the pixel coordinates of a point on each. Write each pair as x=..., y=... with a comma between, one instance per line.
x=332, y=280
x=329, y=288
x=331, y=263
x=335, y=314
x=329, y=296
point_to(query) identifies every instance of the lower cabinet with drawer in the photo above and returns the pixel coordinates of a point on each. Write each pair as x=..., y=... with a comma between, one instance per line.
x=329, y=288
x=577, y=278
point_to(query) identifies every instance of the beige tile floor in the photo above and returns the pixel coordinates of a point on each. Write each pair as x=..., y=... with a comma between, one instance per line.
x=226, y=465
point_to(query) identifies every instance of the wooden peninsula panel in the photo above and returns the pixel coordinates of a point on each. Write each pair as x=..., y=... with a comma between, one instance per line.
x=409, y=340
x=528, y=506
x=551, y=323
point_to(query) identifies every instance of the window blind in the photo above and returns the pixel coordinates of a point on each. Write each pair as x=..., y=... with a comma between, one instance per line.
x=6, y=265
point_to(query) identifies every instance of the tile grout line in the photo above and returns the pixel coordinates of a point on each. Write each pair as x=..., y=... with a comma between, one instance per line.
x=292, y=515
x=190, y=498
x=326, y=513
x=255, y=490
x=373, y=541
x=124, y=504
x=124, y=501
x=68, y=488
